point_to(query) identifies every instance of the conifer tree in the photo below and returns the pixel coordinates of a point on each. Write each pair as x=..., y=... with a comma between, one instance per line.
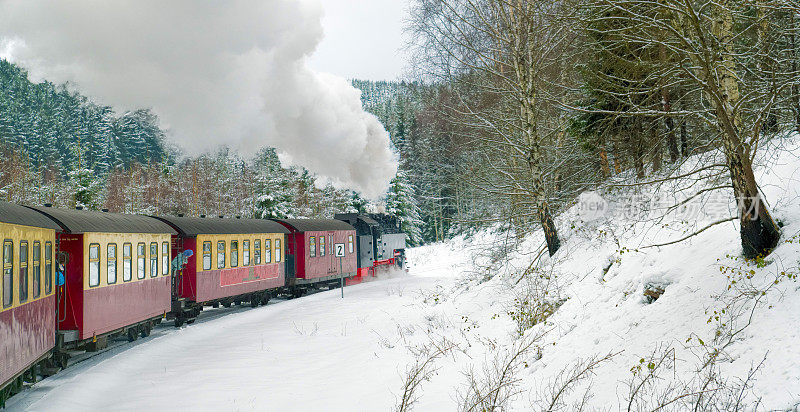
x=85, y=188
x=400, y=202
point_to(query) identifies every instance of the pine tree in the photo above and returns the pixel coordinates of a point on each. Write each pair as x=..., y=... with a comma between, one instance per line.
x=85, y=187
x=357, y=204
x=401, y=203
x=273, y=199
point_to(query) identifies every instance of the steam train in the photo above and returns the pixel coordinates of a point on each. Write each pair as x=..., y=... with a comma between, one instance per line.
x=75, y=279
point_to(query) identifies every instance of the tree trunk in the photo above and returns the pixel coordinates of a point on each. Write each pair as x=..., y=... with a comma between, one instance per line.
x=795, y=90
x=672, y=139
x=542, y=207
x=759, y=233
x=525, y=71
x=764, y=65
x=549, y=227
x=672, y=142
x=684, y=140
x=635, y=148
x=656, y=140
x=617, y=164
x=605, y=169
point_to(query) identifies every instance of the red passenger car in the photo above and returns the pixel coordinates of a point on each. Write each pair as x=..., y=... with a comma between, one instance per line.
x=117, y=275
x=320, y=251
x=27, y=310
x=231, y=261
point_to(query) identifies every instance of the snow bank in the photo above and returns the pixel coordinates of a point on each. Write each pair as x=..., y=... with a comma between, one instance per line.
x=600, y=275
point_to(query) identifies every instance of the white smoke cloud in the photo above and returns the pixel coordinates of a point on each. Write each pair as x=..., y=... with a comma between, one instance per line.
x=230, y=72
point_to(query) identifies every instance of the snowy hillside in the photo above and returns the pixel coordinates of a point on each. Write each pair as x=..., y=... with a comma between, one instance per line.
x=723, y=333
x=608, y=323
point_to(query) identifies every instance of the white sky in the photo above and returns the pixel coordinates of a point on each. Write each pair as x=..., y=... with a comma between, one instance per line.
x=363, y=39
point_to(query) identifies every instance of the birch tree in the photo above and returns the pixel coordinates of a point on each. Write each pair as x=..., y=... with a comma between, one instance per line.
x=732, y=71
x=503, y=58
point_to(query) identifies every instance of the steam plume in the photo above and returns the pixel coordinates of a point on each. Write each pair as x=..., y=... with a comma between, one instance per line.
x=228, y=72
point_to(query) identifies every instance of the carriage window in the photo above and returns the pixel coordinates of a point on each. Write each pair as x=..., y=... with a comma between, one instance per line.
x=322, y=245
x=245, y=253
x=267, y=251
x=312, y=246
x=206, y=255
x=111, y=266
x=94, y=265
x=127, y=263
x=234, y=253
x=8, y=273
x=48, y=267
x=153, y=259
x=257, y=252
x=37, y=269
x=23, y=271
x=220, y=255
x=277, y=250
x=165, y=258
x=141, y=261
x=350, y=243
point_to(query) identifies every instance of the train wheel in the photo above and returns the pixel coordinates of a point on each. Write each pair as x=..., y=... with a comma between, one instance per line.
x=215, y=305
x=61, y=359
x=30, y=375
x=146, y=328
x=179, y=321
x=265, y=299
x=133, y=334
x=226, y=304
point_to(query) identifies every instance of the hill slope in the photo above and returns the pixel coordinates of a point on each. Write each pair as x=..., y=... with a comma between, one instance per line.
x=721, y=331
x=475, y=323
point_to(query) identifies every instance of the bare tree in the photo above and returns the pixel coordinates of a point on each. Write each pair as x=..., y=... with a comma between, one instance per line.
x=727, y=58
x=503, y=60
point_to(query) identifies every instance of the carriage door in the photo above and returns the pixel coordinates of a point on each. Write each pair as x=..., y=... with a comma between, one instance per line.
x=330, y=255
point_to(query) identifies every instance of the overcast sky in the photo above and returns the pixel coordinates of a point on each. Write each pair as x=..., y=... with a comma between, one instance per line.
x=362, y=39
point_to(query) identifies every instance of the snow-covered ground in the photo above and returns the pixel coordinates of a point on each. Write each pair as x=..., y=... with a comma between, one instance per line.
x=322, y=352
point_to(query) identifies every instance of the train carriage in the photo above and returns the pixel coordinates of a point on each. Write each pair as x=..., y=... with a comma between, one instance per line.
x=117, y=277
x=232, y=260
x=312, y=252
x=27, y=314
